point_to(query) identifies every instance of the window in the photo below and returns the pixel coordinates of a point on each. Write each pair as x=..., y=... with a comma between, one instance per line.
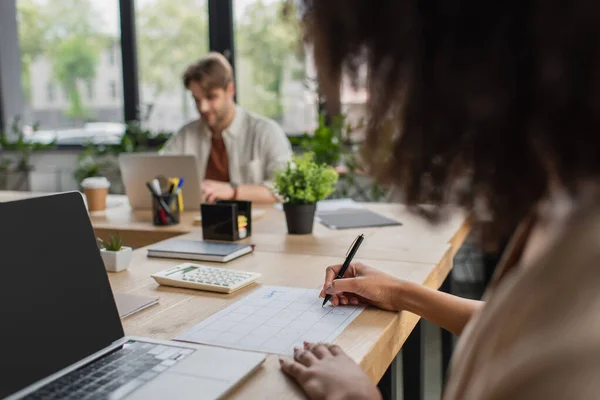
x=111, y=56
x=90, y=89
x=170, y=35
x=275, y=77
x=113, y=89
x=50, y=92
x=63, y=43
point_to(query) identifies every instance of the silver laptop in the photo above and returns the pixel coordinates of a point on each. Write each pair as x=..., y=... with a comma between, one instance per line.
x=139, y=168
x=61, y=336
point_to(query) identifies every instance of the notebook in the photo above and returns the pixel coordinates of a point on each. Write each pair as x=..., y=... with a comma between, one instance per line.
x=199, y=250
x=348, y=219
x=128, y=304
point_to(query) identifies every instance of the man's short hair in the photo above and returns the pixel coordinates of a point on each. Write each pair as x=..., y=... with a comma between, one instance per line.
x=212, y=71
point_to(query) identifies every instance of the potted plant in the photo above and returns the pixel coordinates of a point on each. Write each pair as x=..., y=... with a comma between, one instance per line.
x=116, y=257
x=16, y=176
x=92, y=162
x=302, y=183
x=100, y=159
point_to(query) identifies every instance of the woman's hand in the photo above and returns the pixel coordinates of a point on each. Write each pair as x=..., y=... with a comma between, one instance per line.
x=363, y=284
x=325, y=372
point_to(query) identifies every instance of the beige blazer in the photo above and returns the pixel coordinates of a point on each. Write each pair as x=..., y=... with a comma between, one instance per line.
x=538, y=336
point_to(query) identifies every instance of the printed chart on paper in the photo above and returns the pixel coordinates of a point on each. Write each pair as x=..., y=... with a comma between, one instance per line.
x=273, y=319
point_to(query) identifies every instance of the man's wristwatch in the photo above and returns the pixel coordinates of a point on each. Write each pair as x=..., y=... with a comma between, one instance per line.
x=234, y=186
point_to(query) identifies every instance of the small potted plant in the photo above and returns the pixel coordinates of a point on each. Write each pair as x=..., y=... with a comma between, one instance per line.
x=301, y=184
x=116, y=257
x=17, y=176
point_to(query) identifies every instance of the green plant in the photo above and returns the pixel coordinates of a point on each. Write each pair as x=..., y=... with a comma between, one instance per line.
x=95, y=159
x=21, y=145
x=305, y=181
x=4, y=165
x=138, y=139
x=114, y=242
x=90, y=163
x=326, y=141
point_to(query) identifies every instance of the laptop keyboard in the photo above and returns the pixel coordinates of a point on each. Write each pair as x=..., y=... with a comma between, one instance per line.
x=115, y=375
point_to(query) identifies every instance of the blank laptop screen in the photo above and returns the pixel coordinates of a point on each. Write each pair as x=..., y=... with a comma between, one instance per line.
x=56, y=305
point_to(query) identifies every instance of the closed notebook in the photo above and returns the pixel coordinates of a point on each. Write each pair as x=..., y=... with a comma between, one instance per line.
x=199, y=250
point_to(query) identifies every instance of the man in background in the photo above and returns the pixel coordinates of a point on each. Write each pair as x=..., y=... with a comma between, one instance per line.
x=238, y=151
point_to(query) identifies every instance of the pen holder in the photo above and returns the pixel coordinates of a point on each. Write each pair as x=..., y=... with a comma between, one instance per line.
x=227, y=220
x=165, y=210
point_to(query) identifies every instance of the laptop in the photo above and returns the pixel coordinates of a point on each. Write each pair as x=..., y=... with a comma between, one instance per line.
x=61, y=336
x=139, y=168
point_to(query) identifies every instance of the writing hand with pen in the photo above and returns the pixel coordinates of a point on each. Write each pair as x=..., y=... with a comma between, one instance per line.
x=362, y=285
x=316, y=366
x=356, y=283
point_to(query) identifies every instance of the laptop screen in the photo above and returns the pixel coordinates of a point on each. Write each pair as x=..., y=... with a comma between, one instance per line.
x=56, y=305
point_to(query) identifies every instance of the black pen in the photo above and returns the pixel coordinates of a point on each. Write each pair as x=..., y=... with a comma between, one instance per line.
x=346, y=264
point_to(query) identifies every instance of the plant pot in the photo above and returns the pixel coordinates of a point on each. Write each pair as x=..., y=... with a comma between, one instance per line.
x=115, y=261
x=299, y=218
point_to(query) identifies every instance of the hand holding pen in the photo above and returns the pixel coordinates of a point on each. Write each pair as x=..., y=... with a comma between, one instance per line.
x=349, y=257
x=362, y=284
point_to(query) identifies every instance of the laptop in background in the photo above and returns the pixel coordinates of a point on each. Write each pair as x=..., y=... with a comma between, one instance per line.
x=61, y=335
x=139, y=168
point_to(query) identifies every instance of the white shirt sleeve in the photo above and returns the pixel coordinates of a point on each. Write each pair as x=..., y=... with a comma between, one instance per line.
x=277, y=151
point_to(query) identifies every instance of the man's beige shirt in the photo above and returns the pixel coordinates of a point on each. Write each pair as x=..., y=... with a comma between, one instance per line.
x=256, y=147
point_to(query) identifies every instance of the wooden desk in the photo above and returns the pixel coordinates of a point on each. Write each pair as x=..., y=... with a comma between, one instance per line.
x=413, y=251
x=373, y=339
x=414, y=241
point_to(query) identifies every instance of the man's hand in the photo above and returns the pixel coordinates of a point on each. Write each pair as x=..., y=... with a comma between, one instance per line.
x=215, y=190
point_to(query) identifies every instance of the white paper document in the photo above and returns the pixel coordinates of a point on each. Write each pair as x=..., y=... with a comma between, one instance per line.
x=273, y=319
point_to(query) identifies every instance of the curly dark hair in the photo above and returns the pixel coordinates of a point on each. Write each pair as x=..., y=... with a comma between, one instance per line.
x=469, y=100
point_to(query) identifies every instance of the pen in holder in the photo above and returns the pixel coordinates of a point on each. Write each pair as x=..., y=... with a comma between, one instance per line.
x=165, y=209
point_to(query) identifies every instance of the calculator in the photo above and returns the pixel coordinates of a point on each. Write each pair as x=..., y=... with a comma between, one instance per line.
x=202, y=277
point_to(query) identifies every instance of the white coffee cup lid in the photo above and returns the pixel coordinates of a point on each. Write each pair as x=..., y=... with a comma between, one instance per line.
x=97, y=182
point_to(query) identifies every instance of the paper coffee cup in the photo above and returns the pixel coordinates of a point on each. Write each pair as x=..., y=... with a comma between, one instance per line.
x=96, y=191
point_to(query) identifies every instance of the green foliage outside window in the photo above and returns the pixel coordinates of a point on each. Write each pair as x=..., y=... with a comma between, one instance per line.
x=69, y=34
